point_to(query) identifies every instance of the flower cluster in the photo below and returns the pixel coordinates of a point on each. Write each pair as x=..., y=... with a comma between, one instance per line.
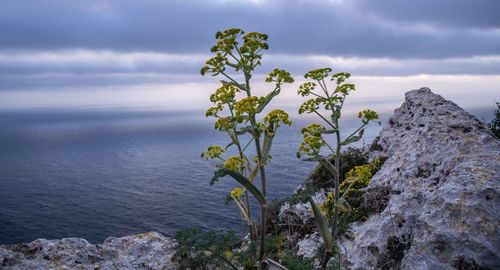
x=213, y=152
x=310, y=105
x=340, y=77
x=345, y=88
x=367, y=116
x=314, y=130
x=226, y=40
x=277, y=116
x=252, y=42
x=247, y=106
x=224, y=94
x=225, y=123
x=332, y=102
x=311, y=146
x=318, y=74
x=234, y=163
x=279, y=76
x=313, y=140
x=236, y=193
x=213, y=111
x=215, y=65
x=306, y=88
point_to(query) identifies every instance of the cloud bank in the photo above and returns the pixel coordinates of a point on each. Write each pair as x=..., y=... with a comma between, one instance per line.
x=126, y=43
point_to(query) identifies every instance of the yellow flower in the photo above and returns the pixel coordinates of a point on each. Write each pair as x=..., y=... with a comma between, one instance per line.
x=236, y=193
x=340, y=77
x=311, y=146
x=246, y=106
x=310, y=106
x=213, y=111
x=318, y=74
x=306, y=88
x=234, y=163
x=228, y=254
x=314, y=130
x=224, y=94
x=279, y=76
x=345, y=88
x=224, y=123
x=367, y=116
x=277, y=116
x=212, y=152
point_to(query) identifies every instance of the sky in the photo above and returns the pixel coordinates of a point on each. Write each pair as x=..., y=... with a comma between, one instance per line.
x=128, y=53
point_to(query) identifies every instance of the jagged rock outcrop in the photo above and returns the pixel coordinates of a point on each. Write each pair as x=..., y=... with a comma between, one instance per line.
x=150, y=250
x=443, y=207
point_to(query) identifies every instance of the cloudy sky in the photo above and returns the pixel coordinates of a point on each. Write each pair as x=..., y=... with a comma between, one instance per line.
x=60, y=53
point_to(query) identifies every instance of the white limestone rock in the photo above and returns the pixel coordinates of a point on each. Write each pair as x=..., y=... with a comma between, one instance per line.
x=444, y=168
x=150, y=250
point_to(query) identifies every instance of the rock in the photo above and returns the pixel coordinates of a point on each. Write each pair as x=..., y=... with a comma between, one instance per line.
x=309, y=246
x=150, y=250
x=444, y=166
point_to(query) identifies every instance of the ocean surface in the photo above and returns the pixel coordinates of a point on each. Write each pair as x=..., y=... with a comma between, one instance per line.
x=101, y=173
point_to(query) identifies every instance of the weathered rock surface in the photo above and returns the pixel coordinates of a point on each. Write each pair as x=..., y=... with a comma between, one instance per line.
x=150, y=250
x=443, y=167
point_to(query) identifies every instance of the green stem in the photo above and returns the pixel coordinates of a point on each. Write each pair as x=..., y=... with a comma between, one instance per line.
x=324, y=119
x=262, y=236
x=247, y=200
x=263, y=180
x=337, y=183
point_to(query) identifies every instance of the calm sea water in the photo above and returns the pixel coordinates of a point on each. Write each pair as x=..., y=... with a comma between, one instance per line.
x=95, y=174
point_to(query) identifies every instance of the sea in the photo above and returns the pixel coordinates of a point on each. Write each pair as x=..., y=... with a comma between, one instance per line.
x=96, y=173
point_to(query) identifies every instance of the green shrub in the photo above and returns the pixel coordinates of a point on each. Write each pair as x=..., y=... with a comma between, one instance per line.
x=301, y=196
x=494, y=125
x=197, y=249
x=352, y=195
x=349, y=158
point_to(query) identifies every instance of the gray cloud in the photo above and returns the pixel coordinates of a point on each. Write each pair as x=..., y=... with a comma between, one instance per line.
x=442, y=13
x=35, y=69
x=393, y=29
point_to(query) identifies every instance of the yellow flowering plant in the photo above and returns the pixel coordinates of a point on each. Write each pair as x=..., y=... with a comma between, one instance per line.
x=236, y=55
x=327, y=104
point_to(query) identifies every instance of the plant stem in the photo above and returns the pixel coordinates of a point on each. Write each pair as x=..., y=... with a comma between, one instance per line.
x=337, y=183
x=262, y=178
x=326, y=258
x=247, y=201
x=262, y=236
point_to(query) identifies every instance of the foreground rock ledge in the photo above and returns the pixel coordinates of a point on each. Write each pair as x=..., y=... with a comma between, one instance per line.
x=150, y=250
x=443, y=211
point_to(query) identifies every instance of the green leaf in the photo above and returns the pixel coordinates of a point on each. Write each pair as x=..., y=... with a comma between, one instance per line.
x=353, y=138
x=267, y=99
x=243, y=181
x=310, y=159
x=323, y=226
x=266, y=145
x=329, y=166
x=245, y=130
x=330, y=131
